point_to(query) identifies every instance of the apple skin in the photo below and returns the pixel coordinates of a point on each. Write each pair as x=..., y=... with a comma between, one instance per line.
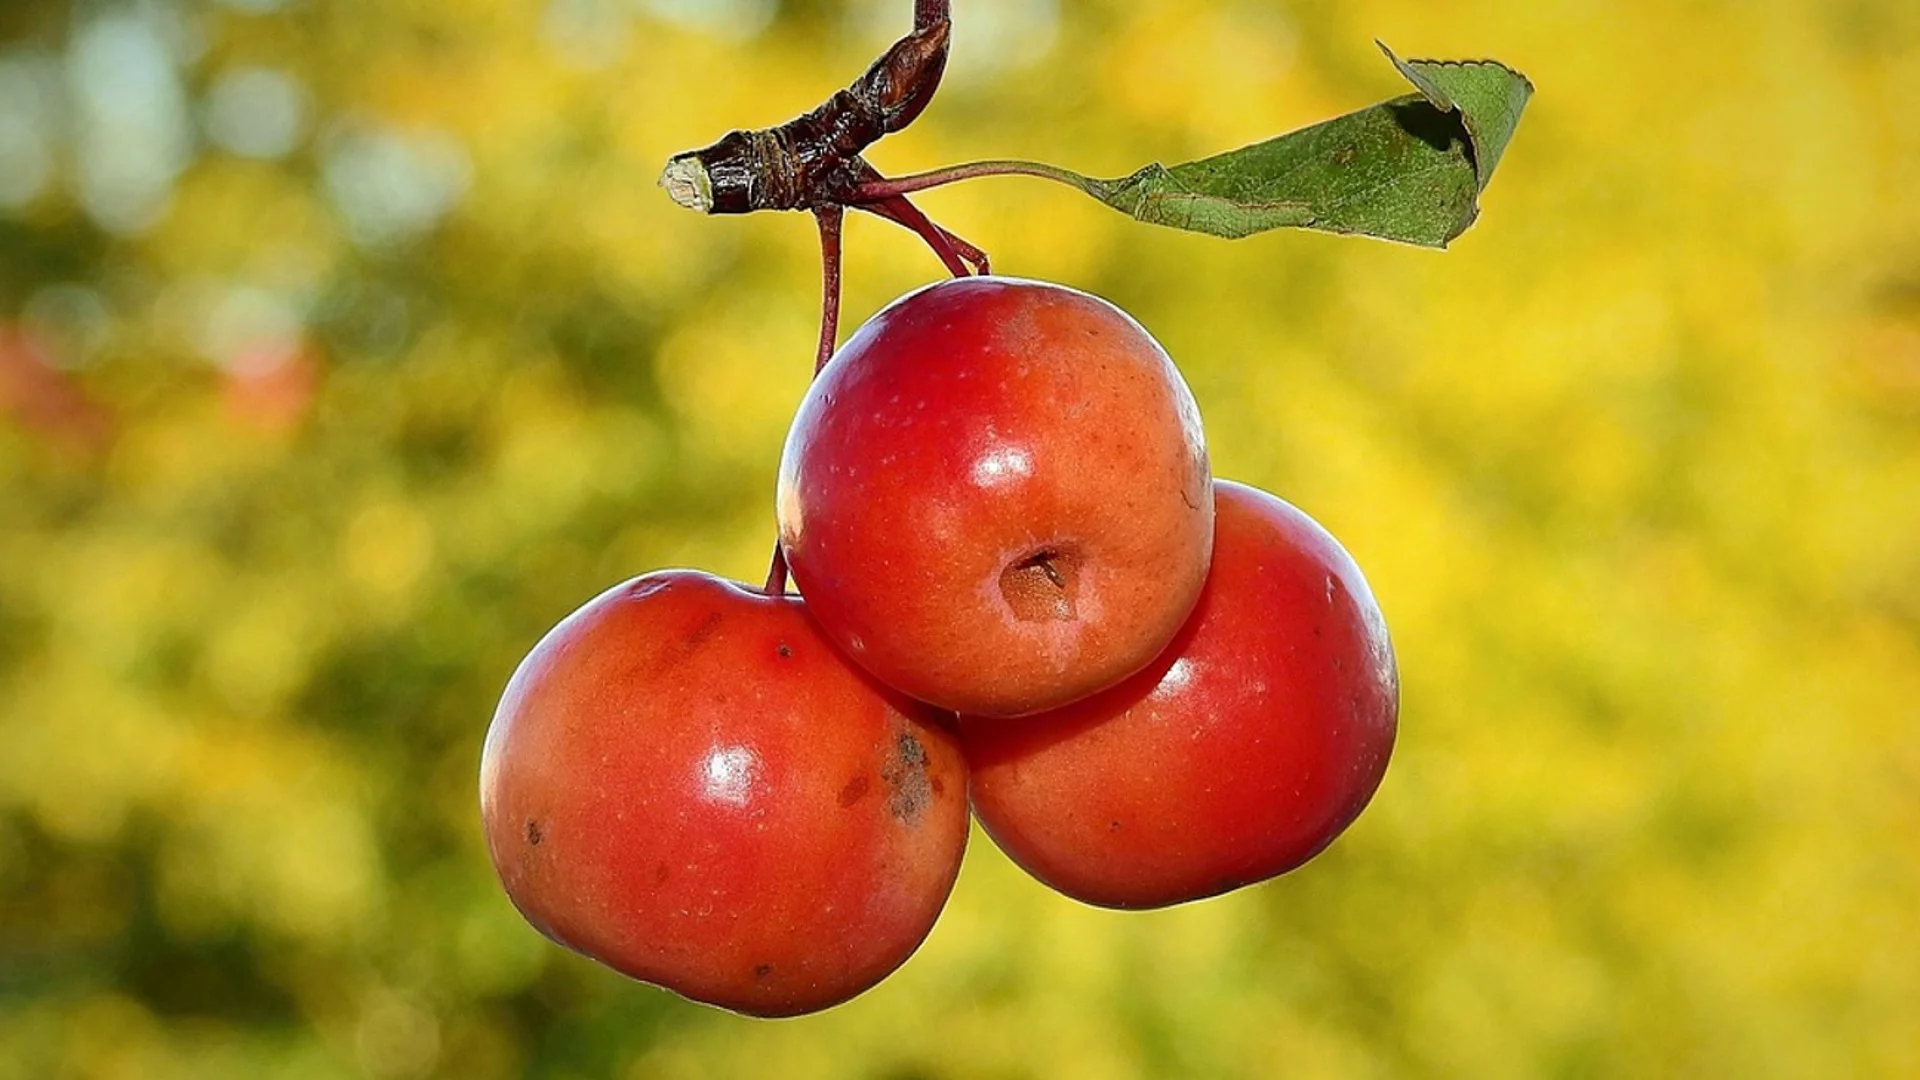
x=1238, y=755
x=996, y=496
x=685, y=782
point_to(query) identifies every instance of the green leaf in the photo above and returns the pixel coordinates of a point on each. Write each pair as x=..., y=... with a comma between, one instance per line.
x=1409, y=169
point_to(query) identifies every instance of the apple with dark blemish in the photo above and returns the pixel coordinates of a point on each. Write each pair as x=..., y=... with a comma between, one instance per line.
x=1239, y=754
x=996, y=496
x=686, y=782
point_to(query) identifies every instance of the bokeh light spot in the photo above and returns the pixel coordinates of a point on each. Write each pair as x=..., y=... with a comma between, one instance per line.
x=257, y=112
x=130, y=116
x=392, y=185
x=27, y=117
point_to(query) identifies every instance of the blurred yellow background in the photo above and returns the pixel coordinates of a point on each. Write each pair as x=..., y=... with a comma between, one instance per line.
x=345, y=346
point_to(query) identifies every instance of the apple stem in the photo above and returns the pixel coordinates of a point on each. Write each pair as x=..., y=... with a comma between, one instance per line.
x=901, y=212
x=776, y=586
x=970, y=253
x=876, y=188
x=829, y=218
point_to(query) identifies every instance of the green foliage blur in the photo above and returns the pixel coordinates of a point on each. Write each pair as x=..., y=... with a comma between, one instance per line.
x=345, y=346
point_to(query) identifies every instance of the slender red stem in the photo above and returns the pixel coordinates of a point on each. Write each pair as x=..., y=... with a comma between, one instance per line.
x=830, y=218
x=956, y=254
x=973, y=255
x=966, y=251
x=898, y=210
x=777, y=573
x=879, y=187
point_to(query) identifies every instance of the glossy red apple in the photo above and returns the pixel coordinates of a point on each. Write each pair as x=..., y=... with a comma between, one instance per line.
x=1237, y=755
x=996, y=496
x=687, y=783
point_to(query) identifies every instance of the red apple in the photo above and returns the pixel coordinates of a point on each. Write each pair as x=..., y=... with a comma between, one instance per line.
x=996, y=496
x=1239, y=754
x=687, y=783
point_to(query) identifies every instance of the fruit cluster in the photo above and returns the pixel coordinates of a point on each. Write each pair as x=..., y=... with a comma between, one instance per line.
x=1024, y=592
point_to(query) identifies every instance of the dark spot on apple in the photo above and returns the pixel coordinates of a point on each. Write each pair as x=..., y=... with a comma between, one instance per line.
x=661, y=873
x=855, y=790
x=1113, y=826
x=534, y=835
x=761, y=971
x=1040, y=585
x=785, y=650
x=699, y=634
x=905, y=773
